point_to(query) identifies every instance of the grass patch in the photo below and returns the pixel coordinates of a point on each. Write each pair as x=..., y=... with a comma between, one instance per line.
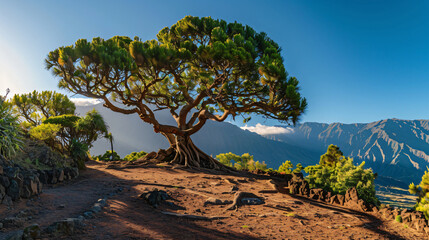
x=244, y=226
x=291, y=214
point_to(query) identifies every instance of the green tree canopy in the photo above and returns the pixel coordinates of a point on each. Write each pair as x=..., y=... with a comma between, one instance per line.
x=36, y=106
x=199, y=69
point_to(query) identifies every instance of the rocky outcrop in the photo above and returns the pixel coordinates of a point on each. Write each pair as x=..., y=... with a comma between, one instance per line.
x=17, y=182
x=296, y=184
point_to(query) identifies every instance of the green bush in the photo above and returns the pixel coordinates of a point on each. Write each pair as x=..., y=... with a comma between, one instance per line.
x=422, y=191
x=243, y=162
x=287, y=166
x=398, y=218
x=10, y=131
x=134, y=156
x=336, y=173
x=108, y=156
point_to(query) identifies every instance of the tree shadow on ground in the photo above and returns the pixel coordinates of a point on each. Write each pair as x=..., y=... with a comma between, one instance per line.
x=133, y=218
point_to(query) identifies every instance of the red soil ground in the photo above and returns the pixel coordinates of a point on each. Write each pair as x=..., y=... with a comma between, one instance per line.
x=129, y=217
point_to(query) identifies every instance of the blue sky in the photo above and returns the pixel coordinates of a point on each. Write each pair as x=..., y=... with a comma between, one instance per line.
x=357, y=61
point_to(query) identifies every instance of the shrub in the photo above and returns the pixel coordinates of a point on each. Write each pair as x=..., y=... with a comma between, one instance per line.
x=398, y=218
x=134, y=156
x=336, y=173
x=287, y=166
x=243, y=162
x=108, y=156
x=10, y=132
x=422, y=191
x=45, y=131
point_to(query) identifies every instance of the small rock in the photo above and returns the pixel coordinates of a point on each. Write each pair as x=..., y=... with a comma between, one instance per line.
x=251, y=201
x=102, y=202
x=88, y=215
x=96, y=208
x=66, y=226
x=32, y=232
x=234, y=188
x=61, y=206
x=216, y=201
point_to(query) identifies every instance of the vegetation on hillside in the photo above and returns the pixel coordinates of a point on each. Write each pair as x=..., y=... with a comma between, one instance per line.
x=287, y=166
x=10, y=132
x=336, y=173
x=422, y=191
x=50, y=117
x=199, y=69
x=243, y=162
x=35, y=107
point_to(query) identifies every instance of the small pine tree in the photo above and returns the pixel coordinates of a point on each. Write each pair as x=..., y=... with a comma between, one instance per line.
x=286, y=167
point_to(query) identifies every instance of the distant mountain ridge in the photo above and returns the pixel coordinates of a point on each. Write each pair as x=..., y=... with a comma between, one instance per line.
x=393, y=147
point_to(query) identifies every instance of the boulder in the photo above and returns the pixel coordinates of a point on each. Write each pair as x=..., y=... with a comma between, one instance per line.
x=4, y=181
x=420, y=224
x=337, y=199
x=32, y=232
x=14, y=190
x=52, y=176
x=386, y=213
x=66, y=226
x=216, y=201
x=294, y=187
x=304, y=189
x=297, y=177
x=2, y=192
x=155, y=197
x=43, y=176
x=60, y=174
x=415, y=215
x=317, y=194
x=328, y=196
x=351, y=195
x=245, y=198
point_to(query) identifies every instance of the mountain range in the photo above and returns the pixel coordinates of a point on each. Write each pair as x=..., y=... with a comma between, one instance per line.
x=398, y=150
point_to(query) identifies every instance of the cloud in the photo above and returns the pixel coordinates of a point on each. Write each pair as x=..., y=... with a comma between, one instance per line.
x=267, y=130
x=85, y=102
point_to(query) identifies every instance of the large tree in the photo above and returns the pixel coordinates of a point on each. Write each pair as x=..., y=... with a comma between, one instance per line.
x=199, y=69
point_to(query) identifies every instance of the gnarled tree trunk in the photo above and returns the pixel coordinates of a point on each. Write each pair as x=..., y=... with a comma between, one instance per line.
x=186, y=153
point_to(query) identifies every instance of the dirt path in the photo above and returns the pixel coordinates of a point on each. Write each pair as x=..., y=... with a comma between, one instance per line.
x=128, y=217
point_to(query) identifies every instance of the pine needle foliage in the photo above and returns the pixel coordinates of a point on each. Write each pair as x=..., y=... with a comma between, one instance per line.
x=336, y=173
